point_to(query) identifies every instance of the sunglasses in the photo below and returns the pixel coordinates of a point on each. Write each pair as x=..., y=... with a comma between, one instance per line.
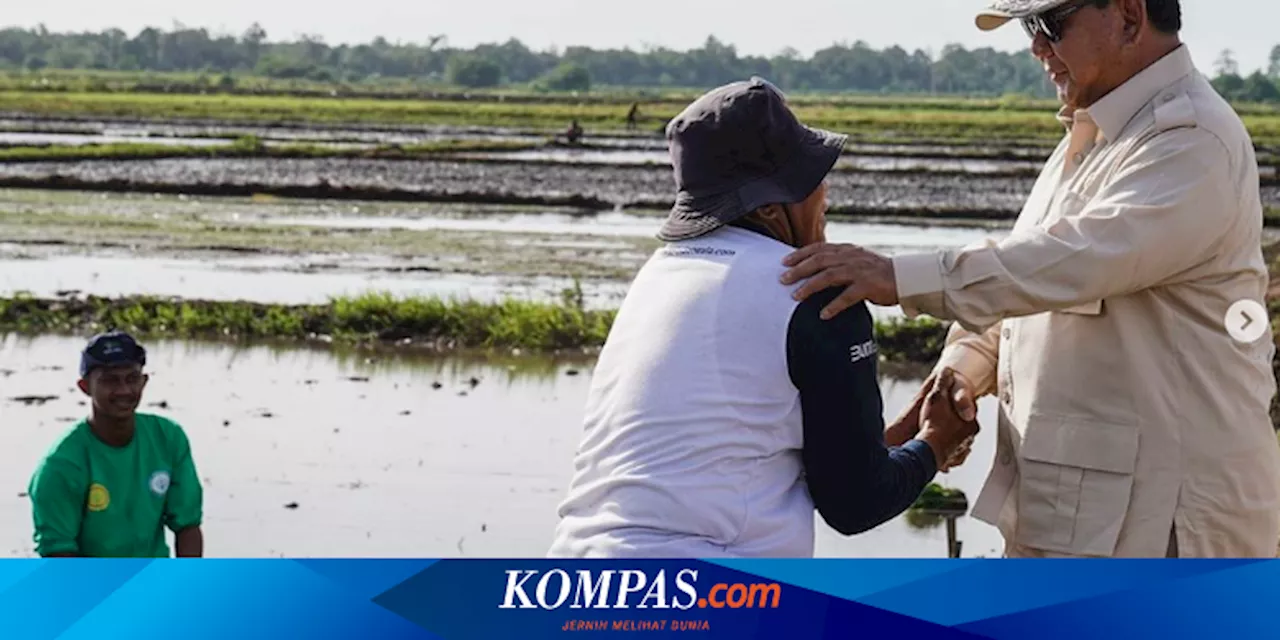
x=1052, y=22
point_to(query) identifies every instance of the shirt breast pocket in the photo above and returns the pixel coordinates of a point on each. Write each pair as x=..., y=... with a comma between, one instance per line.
x=1076, y=479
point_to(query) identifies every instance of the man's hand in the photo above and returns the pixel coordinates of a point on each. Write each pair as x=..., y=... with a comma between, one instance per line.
x=189, y=543
x=868, y=275
x=941, y=427
x=908, y=423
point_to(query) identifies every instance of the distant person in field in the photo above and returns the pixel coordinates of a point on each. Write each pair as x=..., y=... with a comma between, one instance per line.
x=573, y=135
x=633, y=116
x=117, y=480
x=722, y=413
x=1133, y=411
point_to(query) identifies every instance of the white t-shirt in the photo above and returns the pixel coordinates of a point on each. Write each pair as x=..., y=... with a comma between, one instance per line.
x=693, y=431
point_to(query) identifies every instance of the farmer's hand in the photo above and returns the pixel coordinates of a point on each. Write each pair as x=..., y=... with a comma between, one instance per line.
x=867, y=274
x=907, y=424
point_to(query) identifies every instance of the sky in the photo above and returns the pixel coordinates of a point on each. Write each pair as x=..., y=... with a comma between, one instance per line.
x=1247, y=27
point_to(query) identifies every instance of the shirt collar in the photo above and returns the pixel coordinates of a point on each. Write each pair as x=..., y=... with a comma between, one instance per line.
x=1114, y=110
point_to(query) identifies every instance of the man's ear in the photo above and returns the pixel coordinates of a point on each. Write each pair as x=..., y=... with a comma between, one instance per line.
x=146, y=377
x=1133, y=13
x=84, y=386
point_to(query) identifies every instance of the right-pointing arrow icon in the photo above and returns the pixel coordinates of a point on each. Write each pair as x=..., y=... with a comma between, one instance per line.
x=1244, y=321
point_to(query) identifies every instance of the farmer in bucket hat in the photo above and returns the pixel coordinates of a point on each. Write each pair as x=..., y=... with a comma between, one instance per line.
x=721, y=411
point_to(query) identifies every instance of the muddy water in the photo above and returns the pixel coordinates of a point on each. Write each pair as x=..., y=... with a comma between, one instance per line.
x=274, y=280
x=72, y=139
x=154, y=130
x=297, y=279
x=409, y=134
x=890, y=238
x=848, y=163
x=616, y=185
x=387, y=467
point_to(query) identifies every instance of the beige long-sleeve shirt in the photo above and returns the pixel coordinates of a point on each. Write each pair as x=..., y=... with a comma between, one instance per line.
x=1126, y=408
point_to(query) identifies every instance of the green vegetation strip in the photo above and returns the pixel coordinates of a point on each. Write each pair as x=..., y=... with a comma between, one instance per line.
x=379, y=318
x=933, y=120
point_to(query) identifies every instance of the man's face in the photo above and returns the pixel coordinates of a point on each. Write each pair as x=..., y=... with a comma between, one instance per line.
x=1081, y=63
x=116, y=391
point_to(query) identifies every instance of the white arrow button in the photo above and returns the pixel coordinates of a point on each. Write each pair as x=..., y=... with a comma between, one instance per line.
x=1246, y=321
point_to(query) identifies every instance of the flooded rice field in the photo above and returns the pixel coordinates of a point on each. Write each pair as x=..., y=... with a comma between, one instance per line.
x=618, y=186
x=156, y=131
x=307, y=453
x=660, y=157
x=272, y=280
x=54, y=244
x=340, y=453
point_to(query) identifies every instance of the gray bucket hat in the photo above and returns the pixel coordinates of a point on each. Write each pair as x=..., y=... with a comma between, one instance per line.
x=738, y=148
x=1001, y=11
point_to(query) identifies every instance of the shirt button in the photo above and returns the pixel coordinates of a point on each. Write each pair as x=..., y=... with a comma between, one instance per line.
x=1005, y=397
x=1007, y=333
x=1078, y=158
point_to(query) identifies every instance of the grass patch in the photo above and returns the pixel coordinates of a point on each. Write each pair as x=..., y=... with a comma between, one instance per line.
x=430, y=322
x=372, y=318
x=917, y=340
x=883, y=120
x=935, y=497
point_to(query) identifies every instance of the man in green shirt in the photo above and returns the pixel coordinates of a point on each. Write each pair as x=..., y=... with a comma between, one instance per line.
x=115, y=481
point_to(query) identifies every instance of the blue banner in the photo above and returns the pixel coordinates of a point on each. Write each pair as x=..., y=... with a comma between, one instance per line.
x=465, y=599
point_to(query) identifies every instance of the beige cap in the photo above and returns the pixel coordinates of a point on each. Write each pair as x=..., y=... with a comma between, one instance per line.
x=1002, y=11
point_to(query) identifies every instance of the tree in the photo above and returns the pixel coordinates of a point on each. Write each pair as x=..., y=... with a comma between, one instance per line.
x=473, y=71
x=1258, y=88
x=1226, y=64
x=1273, y=66
x=568, y=76
x=1229, y=85
x=253, y=40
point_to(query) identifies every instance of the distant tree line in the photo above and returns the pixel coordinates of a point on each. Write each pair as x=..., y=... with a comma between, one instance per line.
x=839, y=68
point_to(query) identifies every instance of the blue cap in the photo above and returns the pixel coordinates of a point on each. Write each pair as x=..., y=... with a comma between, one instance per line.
x=109, y=350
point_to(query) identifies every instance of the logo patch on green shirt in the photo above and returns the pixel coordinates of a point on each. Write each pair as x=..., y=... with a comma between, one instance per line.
x=159, y=482
x=99, y=498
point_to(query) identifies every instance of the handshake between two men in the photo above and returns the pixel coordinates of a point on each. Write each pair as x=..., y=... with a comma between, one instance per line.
x=943, y=415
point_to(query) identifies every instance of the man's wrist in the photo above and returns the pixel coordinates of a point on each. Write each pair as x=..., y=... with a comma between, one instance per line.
x=926, y=453
x=939, y=444
x=902, y=430
x=892, y=281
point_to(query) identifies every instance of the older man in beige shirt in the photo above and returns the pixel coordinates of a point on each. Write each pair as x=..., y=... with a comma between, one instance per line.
x=1131, y=423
